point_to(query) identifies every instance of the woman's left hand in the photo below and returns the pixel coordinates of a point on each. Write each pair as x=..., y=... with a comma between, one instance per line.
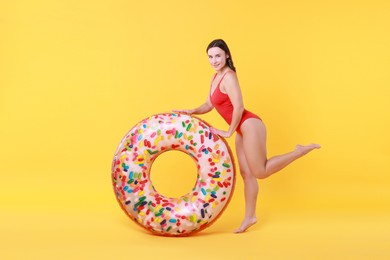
x=220, y=132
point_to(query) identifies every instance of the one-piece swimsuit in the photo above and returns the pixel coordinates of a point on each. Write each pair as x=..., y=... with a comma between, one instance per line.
x=224, y=106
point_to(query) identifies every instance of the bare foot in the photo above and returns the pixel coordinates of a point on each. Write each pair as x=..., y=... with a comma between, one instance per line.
x=247, y=223
x=304, y=149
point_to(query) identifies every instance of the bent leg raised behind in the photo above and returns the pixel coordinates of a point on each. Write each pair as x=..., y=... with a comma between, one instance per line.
x=254, y=143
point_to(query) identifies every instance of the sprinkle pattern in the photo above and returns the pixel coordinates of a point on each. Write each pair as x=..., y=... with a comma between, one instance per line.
x=193, y=211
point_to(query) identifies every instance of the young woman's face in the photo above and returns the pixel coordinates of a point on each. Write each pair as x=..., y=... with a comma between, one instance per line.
x=217, y=58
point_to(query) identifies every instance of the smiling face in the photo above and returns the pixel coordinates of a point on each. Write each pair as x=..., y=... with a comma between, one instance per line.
x=217, y=58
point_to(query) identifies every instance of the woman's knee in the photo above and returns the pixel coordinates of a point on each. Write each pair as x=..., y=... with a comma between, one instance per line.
x=247, y=175
x=257, y=174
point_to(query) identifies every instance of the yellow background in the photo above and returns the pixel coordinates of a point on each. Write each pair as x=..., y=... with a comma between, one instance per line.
x=76, y=75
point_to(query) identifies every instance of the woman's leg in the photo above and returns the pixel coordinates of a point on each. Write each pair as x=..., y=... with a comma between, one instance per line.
x=251, y=188
x=254, y=144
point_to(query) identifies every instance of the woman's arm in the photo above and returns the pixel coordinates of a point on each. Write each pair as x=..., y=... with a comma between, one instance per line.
x=231, y=86
x=202, y=109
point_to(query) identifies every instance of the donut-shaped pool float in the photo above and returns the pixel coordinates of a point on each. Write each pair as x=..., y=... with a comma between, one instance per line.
x=192, y=212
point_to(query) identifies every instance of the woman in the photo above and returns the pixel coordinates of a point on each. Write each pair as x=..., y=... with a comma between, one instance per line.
x=225, y=96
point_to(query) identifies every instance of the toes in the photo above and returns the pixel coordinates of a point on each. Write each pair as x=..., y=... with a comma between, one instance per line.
x=245, y=226
x=238, y=231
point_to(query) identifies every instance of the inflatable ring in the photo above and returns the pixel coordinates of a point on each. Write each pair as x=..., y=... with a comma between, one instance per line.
x=135, y=193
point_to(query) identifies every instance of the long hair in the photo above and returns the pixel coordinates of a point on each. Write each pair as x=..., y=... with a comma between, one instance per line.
x=222, y=45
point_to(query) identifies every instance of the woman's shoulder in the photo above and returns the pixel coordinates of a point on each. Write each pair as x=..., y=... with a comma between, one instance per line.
x=230, y=76
x=230, y=72
x=229, y=82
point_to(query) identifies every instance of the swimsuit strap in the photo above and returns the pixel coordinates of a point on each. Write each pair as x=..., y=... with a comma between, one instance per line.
x=218, y=82
x=215, y=75
x=223, y=77
x=211, y=84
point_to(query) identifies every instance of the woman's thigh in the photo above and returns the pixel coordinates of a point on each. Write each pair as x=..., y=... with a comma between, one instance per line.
x=254, y=137
x=242, y=163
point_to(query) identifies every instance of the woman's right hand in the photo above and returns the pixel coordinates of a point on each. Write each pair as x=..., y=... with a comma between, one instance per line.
x=184, y=111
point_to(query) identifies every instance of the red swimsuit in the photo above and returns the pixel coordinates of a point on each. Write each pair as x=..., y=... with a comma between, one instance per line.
x=225, y=108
